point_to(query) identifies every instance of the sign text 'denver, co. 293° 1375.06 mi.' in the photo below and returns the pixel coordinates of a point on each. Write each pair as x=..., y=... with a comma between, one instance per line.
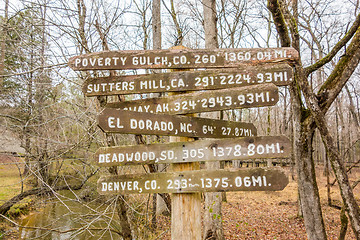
x=251, y=179
x=180, y=58
x=122, y=121
x=206, y=101
x=280, y=74
x=195, y=151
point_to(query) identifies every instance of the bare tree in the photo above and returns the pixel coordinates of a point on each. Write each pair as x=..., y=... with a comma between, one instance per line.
x=42, y=101
x=306, y=120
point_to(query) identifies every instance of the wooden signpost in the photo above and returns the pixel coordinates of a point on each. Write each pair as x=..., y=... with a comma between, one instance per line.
x=280, y=74
x=181, y=58
x=243, y=78
x=122, y=121
x=196, y=151
x=207, y=101
x=254, y=179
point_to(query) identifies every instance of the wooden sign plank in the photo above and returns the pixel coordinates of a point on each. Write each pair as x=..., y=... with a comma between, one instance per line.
x=206, y=101
x=180, y=58
x=122, y=121
x=280, y=74
x=196, y=151
x=253, y=179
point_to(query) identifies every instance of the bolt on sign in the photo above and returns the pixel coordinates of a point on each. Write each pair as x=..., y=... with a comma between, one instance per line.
x=256, y=179
x=207, y=101
x=181, y=58
x=122, y=121
x=196, y=151
x=280, y=74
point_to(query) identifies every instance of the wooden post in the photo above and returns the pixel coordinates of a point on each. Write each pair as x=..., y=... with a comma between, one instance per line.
x=185, y=207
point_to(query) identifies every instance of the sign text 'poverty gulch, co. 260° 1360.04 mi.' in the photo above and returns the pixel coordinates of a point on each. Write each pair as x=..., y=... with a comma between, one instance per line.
x=180, y=58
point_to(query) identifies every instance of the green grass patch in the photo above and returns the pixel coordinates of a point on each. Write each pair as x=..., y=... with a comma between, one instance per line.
x=10, y=182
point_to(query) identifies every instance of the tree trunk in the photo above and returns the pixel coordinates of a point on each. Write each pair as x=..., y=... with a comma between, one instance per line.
x=179, y=32
x=3, y=42
x=344, y=223
x=163, y=200
x=334, y=157
x=309, y=199
x=308, y=189
x=328, y=185
x=156, y=24
x=344, y=184
x=353, y=113
x=42, y=88
x=212, y=216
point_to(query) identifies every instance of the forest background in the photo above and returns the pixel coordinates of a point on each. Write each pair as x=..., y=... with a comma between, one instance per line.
x=44, y=111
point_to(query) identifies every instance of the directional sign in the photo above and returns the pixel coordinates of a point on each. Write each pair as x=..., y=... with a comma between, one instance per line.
x=122, y=121
x=207, y=101
x=254, y=179
x=180, y=58
x=201, y=150
x=280, y=74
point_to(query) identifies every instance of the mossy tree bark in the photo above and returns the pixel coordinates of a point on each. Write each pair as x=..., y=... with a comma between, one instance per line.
x=307, y=119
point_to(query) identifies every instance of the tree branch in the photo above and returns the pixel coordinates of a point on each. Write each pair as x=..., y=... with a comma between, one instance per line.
x=348, y=170
x=336, y=49
x=35, y=69
x=57, y=230
x=341, y=74
x=13, y=118
x=279, y=20
x=42, y=190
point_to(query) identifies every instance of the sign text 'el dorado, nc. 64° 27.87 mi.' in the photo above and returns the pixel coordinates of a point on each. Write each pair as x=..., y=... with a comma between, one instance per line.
x=122, y=121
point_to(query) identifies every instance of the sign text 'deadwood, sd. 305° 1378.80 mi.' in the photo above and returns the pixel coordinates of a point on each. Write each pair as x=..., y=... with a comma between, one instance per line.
x=195, y=151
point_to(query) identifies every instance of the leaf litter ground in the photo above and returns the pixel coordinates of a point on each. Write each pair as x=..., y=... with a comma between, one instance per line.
x=274, y=215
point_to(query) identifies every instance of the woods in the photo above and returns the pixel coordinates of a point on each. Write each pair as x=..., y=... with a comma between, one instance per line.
x=69, y=69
